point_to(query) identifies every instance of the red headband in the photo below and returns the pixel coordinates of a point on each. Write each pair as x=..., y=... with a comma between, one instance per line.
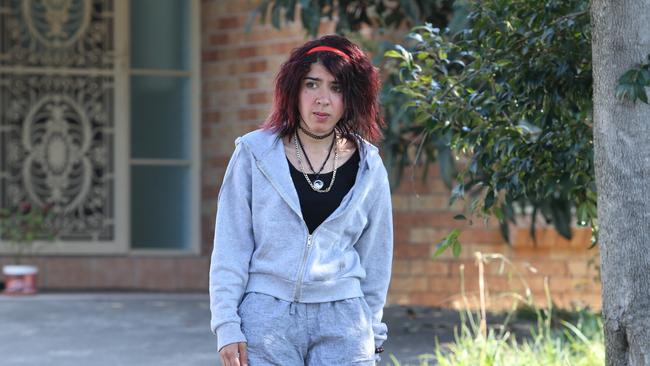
x=329, y=49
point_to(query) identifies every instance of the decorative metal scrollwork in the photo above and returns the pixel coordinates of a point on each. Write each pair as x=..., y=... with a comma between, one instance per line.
x=57, y=23
x=71, y=33
x=56, y=111
x=58, y=136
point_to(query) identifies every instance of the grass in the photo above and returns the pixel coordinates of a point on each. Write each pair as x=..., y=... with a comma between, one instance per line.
x=556, y=337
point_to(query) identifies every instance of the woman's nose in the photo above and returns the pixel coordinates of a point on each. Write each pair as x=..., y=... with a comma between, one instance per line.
x=322, y=100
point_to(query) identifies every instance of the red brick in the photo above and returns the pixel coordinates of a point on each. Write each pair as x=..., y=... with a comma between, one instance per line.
x=155, y=273
x=259, y=98
x=401, y=267
x=429, y=267
x=248, y=83
x=562, y=284
x=229, y=23
x=69, y=273
x=578, y=268
x=445, y=285
x=113, y=272
x=257, y=66
x=500, y=284
x=581, y=238
x=248, y=67
x=247, y=114
x=471, y=269
x=409, y=284
x=193, y=273
x=219, y=39
x=427, y=219
x=412, y=185
x=480, y=235
x=209, y=56
x=411, y=252
x=210, y=192
x=430, y=299
x=398, y=298
x=246, y=52
x=211, y=117
x=401, y=234
x=550, y=268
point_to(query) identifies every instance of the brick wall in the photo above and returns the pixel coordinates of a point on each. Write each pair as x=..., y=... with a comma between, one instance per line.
x=143, y=273
x=422, y=218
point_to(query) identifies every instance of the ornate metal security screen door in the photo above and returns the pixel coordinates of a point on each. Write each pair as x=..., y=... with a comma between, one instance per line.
x=58, y=80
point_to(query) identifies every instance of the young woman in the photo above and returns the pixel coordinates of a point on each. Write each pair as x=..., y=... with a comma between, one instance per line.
x=303, y=237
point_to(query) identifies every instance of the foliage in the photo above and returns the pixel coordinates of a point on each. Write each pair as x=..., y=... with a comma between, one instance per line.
x=512, y=95
x=401, y=132
x=352, y=15
x=574, y=345
x=20, y=226
x=632, y=83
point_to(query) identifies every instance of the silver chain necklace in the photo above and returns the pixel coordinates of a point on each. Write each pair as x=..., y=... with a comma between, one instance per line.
x=317, y=185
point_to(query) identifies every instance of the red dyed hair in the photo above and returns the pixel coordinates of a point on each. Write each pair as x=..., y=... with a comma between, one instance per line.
x=358, y=78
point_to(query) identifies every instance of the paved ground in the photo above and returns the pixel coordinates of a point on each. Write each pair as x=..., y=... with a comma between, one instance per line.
x=97, y=329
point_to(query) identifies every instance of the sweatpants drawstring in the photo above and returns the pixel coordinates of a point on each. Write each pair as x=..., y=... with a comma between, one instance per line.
x=292, y=308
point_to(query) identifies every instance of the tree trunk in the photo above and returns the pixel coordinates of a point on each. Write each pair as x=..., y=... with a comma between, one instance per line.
x=621, y=40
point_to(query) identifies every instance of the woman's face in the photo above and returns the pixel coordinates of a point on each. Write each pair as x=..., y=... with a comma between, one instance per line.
x=321, y=100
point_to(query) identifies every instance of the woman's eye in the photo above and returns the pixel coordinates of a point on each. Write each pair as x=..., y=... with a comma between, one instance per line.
x=310, y=84
x=336, y=89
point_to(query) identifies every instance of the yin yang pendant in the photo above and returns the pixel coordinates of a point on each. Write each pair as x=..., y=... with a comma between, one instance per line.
x=318, y=184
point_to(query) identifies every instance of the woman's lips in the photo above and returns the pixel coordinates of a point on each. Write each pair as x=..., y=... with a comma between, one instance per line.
x=321, y=117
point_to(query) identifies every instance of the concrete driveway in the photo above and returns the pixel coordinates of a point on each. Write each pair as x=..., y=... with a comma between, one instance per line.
x=97, y=329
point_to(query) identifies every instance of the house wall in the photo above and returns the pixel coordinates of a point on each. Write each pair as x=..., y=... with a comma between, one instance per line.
x=237, y=80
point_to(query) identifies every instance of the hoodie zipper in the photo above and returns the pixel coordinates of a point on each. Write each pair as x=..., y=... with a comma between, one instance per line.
x=305, y=255
x=296, y=290
x=306, y=252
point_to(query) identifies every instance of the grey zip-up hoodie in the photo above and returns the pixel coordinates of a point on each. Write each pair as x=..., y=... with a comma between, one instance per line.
x=262, y=243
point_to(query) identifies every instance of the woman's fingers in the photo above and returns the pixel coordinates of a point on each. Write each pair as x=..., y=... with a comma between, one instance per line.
x=243, y=354
x=234, y=354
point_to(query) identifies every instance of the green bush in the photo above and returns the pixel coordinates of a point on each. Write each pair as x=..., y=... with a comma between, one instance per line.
x=511, y=95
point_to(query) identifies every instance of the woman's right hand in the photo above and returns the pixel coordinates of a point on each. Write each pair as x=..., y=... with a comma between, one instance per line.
x=234, y=354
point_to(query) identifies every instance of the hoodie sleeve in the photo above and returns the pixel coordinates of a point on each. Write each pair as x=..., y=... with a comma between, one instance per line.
x=233, y=248
x=375, y=248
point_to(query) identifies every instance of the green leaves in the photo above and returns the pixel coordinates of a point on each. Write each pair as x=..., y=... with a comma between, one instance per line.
x=631, y=85
x=511, y=95
x=351, y=15
x=450, y=241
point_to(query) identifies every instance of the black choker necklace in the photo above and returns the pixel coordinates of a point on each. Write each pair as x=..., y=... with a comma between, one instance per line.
x=314, y=136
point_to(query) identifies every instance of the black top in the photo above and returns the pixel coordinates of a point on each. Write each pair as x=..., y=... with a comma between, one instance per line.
x=315, y=206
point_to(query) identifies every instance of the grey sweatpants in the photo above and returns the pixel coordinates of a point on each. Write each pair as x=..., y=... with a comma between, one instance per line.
x=317, y=334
